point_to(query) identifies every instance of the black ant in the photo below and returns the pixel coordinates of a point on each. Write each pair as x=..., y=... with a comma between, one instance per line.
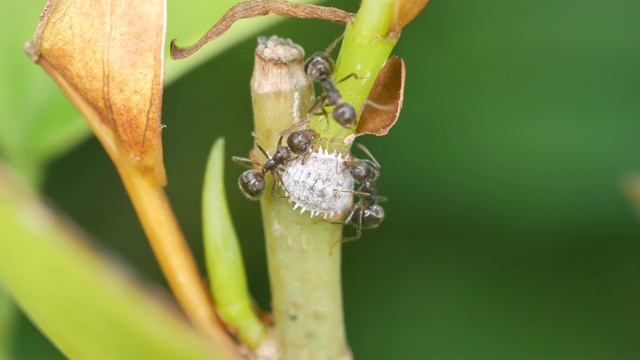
x=319, y=67
x=300, y=142
x=251, y=182
x=367, y=213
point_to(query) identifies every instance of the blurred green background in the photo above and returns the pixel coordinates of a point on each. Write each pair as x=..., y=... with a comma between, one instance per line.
x=506, y=233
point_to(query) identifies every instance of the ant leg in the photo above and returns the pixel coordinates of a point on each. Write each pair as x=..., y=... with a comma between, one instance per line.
x=275, y=182
x=319, y=104
x=351, y=213
x=353, y=238
x=263, y=151
x=356, y=193
x=245, y=162
x=346, y=220
x=352, y=75
x=306, y=156
x=358, y=229
x=292, y=158
x=273, y=190
x=314, y=147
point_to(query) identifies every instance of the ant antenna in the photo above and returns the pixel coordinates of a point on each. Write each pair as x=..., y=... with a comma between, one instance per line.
x=295, y=127
x=369, y=154
x=334, y=43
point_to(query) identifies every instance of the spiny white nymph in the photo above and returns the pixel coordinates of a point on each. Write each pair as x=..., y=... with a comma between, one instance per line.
x=312, y=186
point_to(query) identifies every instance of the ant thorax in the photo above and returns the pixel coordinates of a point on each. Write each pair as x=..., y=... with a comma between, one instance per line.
x=319, y=183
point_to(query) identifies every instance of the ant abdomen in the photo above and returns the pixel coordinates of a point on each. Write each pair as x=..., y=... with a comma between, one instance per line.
x=252, y=184
x=345, y=115
x=252, y=181
x=372, y=217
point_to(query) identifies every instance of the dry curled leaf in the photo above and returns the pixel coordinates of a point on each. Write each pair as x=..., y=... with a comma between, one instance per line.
x=382, y=108
x=250, y=9
x=404, y=11
x=107, y=56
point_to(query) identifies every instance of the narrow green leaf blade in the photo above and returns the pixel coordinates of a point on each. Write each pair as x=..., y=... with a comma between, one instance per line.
x=8, y=314
x=85, y=304
x=223, y=256
x=37, y=123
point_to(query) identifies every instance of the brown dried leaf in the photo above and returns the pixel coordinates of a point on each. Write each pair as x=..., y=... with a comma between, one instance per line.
x=404, y=11
x=107, y=56
x=383, y=105
x=250, y=9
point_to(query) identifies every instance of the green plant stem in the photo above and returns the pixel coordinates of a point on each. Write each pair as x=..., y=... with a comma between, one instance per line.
x=304, y=269
x=227, y=279
x=363, y=53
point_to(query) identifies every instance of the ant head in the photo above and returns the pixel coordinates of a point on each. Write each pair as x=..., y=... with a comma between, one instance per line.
x=319, y=67
x=251, y=183
x=301, y=141
x=310, y=134
x=373, y=216
x=345, y=115
x=362, y=170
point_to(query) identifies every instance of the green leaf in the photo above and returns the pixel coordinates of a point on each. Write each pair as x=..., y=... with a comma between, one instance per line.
x=224, y=259
x=84, y=303
x=37, y=123
x=8, y=314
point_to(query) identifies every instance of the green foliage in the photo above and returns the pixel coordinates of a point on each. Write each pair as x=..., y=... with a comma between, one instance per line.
x=506, y=235
x=37, y=122
x=81, y=301
x=227, y=277
x=7, y=317
x=38, y=125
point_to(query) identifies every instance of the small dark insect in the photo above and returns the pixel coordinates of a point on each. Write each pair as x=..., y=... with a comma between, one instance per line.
x=252, y=182
x=319, y=67
x=367, y=213
x=364, y=218
x=300, y=142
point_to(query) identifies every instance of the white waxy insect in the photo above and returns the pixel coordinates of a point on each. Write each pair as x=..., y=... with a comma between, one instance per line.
x=319, y=183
